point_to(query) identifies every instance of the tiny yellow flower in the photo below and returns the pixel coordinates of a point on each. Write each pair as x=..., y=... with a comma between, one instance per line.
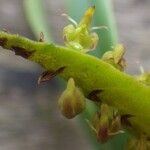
x=79, y=36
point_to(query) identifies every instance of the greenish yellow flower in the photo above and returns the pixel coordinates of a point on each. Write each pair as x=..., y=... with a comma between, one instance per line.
x=80, y=36
x=105, y=124
x=115, y=57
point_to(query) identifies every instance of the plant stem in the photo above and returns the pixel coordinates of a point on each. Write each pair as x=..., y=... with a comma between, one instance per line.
x=117, y=89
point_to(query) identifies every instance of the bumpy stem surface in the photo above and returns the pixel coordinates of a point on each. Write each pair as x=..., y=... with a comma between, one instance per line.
x=96, y=78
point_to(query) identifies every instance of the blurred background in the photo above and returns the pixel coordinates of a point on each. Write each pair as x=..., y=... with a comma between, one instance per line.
x=29, y=116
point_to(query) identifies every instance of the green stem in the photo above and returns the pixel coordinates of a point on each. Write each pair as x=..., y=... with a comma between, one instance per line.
x=72, y=7
x=103, y=16
x=116, y=88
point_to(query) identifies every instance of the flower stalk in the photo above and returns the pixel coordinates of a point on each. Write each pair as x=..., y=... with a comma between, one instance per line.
x=113, y=87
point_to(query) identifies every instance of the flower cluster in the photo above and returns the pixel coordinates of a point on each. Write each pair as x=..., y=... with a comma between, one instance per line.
x=79, y=36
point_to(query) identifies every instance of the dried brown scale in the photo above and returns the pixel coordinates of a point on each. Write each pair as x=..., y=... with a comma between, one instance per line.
x=48, y=75
x=41, y=37
x=22, y=52
x=148, y=139
x=5, y=30
x=3, y=42
x=94, y=95
x=125, y=121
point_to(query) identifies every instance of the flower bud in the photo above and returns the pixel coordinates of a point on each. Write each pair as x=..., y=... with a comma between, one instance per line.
x=69, y=33
x=72, y=101
x=105, y=125
x=100, y=124
x=102, y=130
x=144, y=78
x=115, y=126
x=87, y=18
x=115, y=57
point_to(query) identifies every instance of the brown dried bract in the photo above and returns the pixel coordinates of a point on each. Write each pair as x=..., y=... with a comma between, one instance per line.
x=94, y=95
x=3, y=41
x=125, y=121
x=5, y=30
x=21, y=51
x=48, y=75
x=41, y=37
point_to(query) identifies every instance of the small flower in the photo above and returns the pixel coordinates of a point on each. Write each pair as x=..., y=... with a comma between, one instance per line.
x=115, y=57
x=100, y=124
x=79, y=36
x=105, y=124
x=144, y=78
x=72, y=101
